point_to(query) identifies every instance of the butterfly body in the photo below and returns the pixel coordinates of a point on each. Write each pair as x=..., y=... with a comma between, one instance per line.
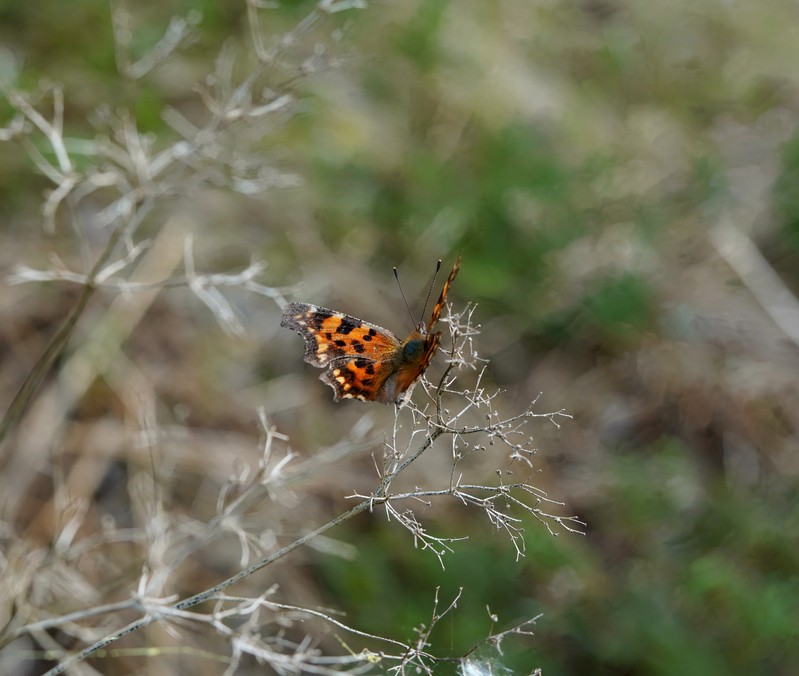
x=364, y=361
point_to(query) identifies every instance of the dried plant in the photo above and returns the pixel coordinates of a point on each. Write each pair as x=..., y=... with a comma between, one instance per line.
x=475, y=427
x=80, y=566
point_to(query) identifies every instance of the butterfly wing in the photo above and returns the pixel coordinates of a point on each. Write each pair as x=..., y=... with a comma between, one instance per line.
x=359, y=357
x=361, y=378
x=443, y=297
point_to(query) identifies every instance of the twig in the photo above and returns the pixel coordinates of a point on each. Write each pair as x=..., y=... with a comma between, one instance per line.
x=55, y=347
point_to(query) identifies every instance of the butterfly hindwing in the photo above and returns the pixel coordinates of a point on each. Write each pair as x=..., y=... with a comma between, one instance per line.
x=357, y=378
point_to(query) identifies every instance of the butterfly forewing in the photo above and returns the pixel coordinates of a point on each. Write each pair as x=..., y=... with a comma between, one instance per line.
x=330, y=335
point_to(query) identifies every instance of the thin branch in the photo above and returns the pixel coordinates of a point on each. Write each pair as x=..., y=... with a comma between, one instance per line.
x=55, y=347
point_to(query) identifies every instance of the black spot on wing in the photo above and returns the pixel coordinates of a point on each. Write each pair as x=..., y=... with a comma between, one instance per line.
x=320, y=317
x=348, y=325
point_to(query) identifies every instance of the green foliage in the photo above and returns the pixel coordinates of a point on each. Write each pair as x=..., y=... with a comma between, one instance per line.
x=621, y=307
x=419, y=38
x=680, y=586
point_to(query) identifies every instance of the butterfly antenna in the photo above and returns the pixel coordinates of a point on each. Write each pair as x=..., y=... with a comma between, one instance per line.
x=429, y=291
x=402, y=293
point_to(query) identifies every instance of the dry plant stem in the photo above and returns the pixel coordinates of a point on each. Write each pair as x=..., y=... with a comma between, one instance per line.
x=212, y=593
x=314, y=613
x=62, y=619
x=56, y=346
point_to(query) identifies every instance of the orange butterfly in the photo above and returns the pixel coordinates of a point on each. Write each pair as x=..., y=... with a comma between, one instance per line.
x=364, y=361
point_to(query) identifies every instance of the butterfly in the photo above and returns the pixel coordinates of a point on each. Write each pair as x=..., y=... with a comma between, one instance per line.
x=365, y=361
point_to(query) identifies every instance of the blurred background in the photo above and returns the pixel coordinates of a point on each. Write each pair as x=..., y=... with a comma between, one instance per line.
x=620, y=179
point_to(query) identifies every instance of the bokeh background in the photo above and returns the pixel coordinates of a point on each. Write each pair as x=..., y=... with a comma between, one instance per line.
x=621, y=180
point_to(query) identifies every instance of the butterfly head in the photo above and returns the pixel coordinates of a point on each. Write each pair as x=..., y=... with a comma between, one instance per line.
x=413, y=349
x=419, y=344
